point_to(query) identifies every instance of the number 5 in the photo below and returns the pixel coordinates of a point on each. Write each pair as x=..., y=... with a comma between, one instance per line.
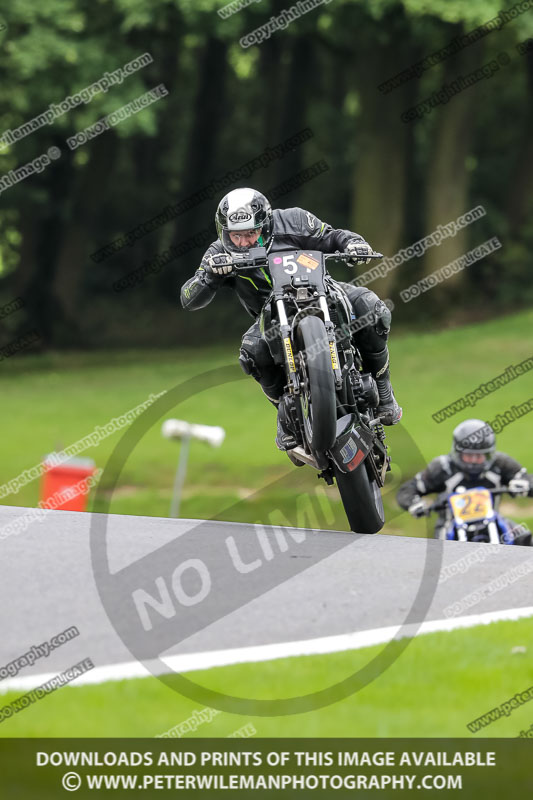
x=288, y=261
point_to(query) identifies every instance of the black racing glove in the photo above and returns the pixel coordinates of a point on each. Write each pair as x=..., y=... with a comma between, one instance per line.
x=417, y=508
x=360, y=251
x=219, y=264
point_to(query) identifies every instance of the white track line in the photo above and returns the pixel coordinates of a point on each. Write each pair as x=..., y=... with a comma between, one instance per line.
x=267, y=652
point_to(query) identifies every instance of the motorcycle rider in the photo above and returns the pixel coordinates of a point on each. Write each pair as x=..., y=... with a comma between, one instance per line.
x=473, y=461
x=245, y=219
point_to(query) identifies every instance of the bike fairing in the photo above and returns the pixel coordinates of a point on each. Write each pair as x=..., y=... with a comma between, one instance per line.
x=472, y=512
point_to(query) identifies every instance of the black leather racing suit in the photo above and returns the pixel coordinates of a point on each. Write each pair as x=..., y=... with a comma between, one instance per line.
x=298, y=229
x=442, y=475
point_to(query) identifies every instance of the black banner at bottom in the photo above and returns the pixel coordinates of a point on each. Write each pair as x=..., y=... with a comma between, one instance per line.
x=295, y=768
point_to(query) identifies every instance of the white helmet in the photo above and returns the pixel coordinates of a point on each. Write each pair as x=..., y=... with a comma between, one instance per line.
x=243, y=210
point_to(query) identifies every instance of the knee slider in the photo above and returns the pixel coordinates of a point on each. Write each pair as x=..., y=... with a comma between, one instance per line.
x=364, y=302
x=248, y=365
x=369, y=303
x=383, y=317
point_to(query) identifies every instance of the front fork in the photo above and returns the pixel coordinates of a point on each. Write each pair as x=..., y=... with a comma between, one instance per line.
x=330, y=330
x=288, y=354
x=379, y=460
x=293, y=378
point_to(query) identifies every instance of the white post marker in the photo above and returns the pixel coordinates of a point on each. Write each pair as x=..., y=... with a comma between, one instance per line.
x=185, y=431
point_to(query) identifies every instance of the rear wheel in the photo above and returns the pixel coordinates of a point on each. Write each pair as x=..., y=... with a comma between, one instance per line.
x=361, y=498
x=318, y=399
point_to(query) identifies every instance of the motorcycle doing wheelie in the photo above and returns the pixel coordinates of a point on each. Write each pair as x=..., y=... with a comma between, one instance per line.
x=470, y=516
x=308, y=322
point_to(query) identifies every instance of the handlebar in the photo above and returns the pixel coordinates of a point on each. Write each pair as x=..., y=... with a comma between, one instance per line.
x=244, y=261
x=348, y=256
x=439, y=505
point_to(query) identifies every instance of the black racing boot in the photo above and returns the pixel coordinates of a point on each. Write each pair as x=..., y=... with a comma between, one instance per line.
x=388, y=409
x=285, y=439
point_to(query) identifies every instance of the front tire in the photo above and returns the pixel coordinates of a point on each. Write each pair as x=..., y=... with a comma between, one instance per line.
x=319, y=399
x=362, y=501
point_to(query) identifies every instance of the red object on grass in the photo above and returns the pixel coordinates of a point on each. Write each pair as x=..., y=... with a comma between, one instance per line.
x=64, y=486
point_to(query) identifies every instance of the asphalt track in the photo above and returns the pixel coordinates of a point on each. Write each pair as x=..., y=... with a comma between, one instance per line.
x=265, y=585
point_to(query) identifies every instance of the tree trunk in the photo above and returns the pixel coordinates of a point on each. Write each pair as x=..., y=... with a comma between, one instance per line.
x=208, y=117
x=18, y=282
x=209, y=112
x=379, y=195
x=448, y=180
x=520, y=199
x=270, y=74
x=295, y=103
x=72, y=258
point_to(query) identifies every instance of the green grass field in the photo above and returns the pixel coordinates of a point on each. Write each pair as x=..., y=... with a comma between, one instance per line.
x=53, y=400
x=440, y=682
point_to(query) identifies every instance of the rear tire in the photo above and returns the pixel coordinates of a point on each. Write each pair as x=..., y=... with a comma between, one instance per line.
x=362, y=501
x=320, y=415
